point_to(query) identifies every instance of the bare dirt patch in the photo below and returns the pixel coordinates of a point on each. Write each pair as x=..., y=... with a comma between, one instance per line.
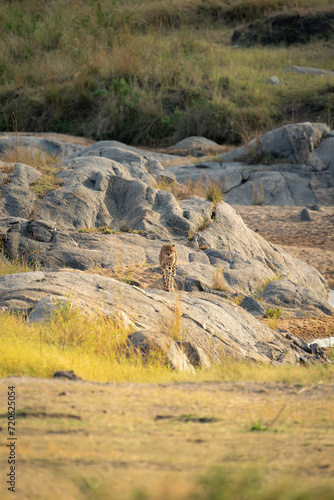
x=308, y=328
x=312, y=242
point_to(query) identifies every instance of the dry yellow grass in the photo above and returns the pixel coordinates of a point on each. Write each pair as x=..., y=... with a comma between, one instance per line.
x=219, y=282
x=14, y=266
x=308, y=328
x=95, y=348
x=183, y=191
x=47, y=164
x=32, y=156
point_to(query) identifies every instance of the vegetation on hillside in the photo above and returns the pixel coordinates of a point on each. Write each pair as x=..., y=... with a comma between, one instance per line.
x=153, y=72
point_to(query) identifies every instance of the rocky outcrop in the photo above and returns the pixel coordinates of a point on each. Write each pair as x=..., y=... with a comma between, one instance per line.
x=221, y=253
x=226, y=255
x=145, y=342
x=97, y=192
x=220, y=260
x=289, y=295
x=292, y=165
x=214, y=326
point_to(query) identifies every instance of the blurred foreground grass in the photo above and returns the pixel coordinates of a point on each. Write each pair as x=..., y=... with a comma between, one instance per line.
x=170, y=441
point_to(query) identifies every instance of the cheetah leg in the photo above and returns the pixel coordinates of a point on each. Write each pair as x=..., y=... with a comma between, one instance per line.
x=172, y=274
x=170, y=282
x=164, y=280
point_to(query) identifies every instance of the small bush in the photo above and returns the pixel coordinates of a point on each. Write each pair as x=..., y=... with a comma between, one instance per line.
x=273, y=313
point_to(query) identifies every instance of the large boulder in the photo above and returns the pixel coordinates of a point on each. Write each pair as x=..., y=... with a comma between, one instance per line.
x=281, y=187
x=16, y=198
x=228, y=176
x=145, y=342
x=294, y=142
x=96, y=192
x=194, y=142
x=138, y=166
x=286, y=294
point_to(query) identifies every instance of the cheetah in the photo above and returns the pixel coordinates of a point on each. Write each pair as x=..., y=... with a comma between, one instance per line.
x=168, y=259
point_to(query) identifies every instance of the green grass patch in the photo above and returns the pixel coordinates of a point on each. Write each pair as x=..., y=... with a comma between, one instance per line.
x=45, y=184
x=273, y=313
x=257, y=426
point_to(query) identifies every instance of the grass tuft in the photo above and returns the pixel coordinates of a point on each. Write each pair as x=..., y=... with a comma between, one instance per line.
x=213, y=191
x=14, y=266
x=257, y=426
x=182, y=191
x=219, y=282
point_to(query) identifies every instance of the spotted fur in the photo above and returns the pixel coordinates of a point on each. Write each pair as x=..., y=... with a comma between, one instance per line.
x=168, y=260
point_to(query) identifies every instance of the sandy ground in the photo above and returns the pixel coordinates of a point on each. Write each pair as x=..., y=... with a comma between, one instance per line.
x=312, y=242
x=83, y=440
